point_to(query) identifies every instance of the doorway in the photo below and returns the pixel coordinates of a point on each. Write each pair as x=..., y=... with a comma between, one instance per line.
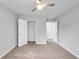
x=52, y=31
x=31, y=31
x=27, y=30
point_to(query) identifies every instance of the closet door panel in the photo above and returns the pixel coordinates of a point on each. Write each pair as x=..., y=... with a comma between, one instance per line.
x=22, y=32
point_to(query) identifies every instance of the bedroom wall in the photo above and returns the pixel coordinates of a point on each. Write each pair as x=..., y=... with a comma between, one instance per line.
x=8, y=30
x=69, y=31
x=41, y=31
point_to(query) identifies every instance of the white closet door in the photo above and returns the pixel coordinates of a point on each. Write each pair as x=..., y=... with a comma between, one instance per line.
x=22, y=32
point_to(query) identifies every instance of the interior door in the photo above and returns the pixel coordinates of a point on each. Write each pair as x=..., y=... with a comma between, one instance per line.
x=52, y=31
x=22, y=32
x=55, y=32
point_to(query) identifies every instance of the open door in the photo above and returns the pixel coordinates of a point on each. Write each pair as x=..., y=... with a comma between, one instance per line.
x=22, y=32
x=52, y=35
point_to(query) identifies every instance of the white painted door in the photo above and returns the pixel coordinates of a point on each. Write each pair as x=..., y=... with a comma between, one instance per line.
x=52, y=31
x=55, y=39
x=22, y=32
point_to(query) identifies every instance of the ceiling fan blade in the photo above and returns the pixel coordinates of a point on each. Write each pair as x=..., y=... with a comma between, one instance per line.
x=51, y=4
x=39, y=1
x=34, y=9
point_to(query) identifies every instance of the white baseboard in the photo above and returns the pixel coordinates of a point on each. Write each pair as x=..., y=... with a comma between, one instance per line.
x=69, y=51
x=7, y=51
x=41, y=42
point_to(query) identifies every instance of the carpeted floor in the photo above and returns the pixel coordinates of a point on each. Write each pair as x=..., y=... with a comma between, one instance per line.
x=32, y=51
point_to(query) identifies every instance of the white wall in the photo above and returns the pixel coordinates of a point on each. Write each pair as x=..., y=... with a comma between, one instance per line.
x=41, y=31
x=69, y=31
x=8, y=30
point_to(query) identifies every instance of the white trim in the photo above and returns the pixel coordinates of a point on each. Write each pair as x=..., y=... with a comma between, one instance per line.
x=69, y=51
x=35, y=28
x=41, y=42
x=32, y=20
x=8, y=51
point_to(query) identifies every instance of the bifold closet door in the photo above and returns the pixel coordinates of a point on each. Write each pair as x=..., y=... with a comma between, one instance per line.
x=22, y=32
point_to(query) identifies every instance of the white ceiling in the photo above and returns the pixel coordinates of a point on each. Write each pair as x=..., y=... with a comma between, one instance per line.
x=24, y=7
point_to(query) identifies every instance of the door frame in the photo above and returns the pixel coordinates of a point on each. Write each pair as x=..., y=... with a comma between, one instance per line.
x=57, y=42
x=35, y=28
x=57, y=31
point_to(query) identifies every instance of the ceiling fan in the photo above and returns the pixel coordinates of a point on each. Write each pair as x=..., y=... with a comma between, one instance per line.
x=40, y=5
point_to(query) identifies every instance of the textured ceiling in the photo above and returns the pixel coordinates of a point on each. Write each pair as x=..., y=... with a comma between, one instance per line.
x=24, y=7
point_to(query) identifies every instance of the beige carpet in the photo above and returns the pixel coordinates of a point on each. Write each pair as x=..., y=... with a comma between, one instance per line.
x=32, y=51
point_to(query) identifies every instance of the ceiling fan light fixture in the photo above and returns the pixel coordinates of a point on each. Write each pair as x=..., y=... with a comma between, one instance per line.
x=39, y=6
x=38, y=1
